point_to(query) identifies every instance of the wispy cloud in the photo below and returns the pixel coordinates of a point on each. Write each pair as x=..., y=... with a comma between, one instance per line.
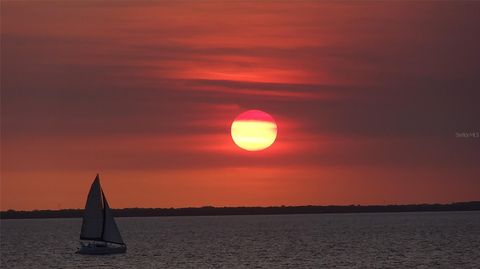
x=143, y=86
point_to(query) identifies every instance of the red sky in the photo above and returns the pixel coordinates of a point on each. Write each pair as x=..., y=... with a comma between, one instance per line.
x=368, y=98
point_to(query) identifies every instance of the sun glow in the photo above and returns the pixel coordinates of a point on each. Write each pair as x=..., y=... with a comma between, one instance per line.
x=254, y=130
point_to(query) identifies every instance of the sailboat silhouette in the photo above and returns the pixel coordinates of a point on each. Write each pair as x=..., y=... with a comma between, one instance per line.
x=99, y=226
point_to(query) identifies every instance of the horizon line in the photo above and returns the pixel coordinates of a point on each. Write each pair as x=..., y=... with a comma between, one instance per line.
x=267, y=206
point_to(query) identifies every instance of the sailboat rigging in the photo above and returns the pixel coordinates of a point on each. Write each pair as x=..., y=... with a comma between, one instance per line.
x=99, y=226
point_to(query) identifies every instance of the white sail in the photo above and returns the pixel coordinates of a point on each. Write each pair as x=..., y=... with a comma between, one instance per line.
x=110, y=232
x=98, y=222
x=92, y=226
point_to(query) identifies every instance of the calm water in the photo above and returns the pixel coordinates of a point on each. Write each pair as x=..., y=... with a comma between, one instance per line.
x=396, y=240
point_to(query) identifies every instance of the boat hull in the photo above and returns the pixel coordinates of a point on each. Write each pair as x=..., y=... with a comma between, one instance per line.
x=94, y=249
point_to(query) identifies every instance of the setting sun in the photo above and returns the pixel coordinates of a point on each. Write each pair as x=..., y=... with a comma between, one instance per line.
x=254, y=130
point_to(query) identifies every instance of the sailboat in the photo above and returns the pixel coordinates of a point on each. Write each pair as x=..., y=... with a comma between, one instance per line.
x=99, y=234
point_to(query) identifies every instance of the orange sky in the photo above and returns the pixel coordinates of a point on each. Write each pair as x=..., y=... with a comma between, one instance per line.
x=368, y=98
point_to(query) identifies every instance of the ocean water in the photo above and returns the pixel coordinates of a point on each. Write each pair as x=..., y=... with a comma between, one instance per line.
x=381, y=240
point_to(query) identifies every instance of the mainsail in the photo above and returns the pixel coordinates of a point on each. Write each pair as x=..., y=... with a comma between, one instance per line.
x=98, y=222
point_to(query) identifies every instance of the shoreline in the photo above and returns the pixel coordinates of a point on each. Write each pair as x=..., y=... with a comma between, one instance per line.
x=233, y=211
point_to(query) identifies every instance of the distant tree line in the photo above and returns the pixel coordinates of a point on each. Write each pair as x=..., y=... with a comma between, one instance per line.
x=223, y=211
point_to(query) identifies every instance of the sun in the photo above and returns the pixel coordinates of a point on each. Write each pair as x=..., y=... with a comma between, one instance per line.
x=254, y=130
